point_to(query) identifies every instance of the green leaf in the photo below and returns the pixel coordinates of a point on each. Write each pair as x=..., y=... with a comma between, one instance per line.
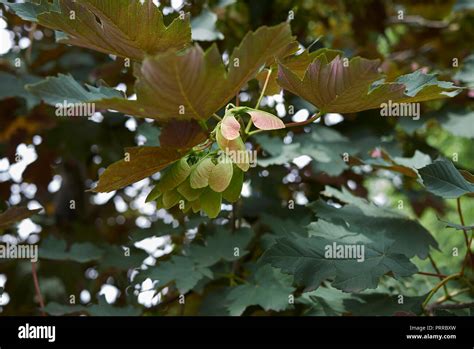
x=380, y=304
x=55, y=249
x=204, y=26
x=458, y=122
x=221, y=175
x=305, y=259
x=211, y=202
x=181, y=270
x=443, y=179
x=15, y=214
x=104, y=26
x=360, y=220
x=335, y=87
x=64, y=89
x=199, y=177
x=221, y=245
x=267, y=287
x=233, y=191
x=29, y=11
x=14, y=86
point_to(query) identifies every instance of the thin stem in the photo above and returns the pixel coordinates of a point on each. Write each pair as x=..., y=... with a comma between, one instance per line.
x=433, y=263
x=440, y=276
x=466, y=238
x=37, y=288
x=237, y=100
x=265, y=85
x=217, y=117
x=302, y=123
x=438, y=286
x=452, y=294
x=255, y=132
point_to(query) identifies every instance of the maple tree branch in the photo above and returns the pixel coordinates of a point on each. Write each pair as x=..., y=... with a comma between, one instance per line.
x=433, y=263
x=440, y=276
x=37, y=288
x=466, y=238
x=438, y=286
x=452, y=294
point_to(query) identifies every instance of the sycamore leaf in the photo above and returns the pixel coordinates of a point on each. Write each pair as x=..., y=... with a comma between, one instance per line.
x=190, y=84
x=458, y=122
x=220, y=246
x=296, y=63
x=265, y=121
x=443, y=179
x=29, y=11
x=63, y=88
x=182, y=270
x=55, y=249
x=104, y=25
x=139, y=163
x=407, y=166
x=268, y=288
x=333, y=86
x=230, y=127
x=15, y=214
x=305, y=259
x=176, y=138
x=360, y=220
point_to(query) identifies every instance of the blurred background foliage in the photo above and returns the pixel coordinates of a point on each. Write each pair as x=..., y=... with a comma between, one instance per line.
x=46, y=160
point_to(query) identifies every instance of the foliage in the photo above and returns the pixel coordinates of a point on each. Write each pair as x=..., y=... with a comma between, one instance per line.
x=214, y=196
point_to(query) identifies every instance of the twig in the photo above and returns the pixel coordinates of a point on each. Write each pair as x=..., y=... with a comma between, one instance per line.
x=302, y=123
x=249, y=125
x=37, y=288
x=435, y=306
x=466, y=238
x=440, y=276
x=433, y=263
x=438, y=286
x=265, y=85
